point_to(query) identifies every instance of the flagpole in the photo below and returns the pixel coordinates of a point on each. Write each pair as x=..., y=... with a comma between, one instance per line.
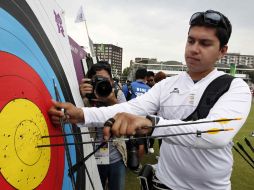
x=81, y=18
x=89, y=40
x=86, y=29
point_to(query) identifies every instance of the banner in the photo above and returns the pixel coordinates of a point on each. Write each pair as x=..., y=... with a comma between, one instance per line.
x=91, y=47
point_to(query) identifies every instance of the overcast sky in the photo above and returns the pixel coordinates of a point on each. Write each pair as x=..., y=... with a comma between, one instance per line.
x=155, y=28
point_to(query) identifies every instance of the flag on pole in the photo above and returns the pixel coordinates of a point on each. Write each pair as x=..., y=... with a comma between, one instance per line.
x=91, y=47
x=80, y=16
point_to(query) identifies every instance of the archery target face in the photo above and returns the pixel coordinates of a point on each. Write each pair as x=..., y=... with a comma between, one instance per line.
x=27, y=71
x=24, y=103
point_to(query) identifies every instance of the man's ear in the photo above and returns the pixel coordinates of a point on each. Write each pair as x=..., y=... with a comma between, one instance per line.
x=223, y=51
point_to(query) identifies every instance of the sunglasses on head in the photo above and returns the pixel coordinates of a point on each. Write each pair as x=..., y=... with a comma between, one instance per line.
x=210, y=17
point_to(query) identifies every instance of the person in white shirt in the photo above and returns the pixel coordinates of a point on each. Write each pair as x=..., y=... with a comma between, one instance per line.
x=186, y=162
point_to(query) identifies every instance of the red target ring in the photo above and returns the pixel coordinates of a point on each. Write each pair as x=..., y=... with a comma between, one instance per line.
x=19, y=81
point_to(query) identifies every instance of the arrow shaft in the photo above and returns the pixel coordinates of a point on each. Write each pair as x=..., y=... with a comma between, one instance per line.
x=245, y=152
x=66, y=148
x=249, y=144
x=191, y=123
x=68, y=134
x=243, y=156
x=157, y=126
x=133, y=138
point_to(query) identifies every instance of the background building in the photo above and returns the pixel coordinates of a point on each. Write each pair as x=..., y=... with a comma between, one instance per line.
x=111, y=53
x=173, y=67
x=170, y=68
x=237, y=59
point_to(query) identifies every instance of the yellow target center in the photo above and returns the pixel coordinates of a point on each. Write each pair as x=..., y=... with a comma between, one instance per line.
x=26, y=139
x=22, y=164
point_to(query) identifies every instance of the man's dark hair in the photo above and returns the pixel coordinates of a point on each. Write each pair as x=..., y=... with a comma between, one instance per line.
x=101, y=65
x=150, y=74
x=141, y=73
x=223, y=28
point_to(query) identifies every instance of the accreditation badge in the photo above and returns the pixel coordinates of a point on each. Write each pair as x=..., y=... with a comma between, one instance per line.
x=191, y=99
x=102, y=155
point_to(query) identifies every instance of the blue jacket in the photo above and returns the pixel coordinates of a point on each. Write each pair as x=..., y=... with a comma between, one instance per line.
x=136, y=88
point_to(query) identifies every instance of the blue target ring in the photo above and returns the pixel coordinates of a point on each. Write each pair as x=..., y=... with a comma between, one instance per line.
x=16, y=39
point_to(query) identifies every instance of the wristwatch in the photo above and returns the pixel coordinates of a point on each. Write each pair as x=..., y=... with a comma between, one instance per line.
x=154, y=119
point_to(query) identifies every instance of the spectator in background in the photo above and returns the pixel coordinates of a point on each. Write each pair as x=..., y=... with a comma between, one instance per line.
x=138, y=87
x=159, y=76
x=128, y=82
x=117, y=83
x=252, y=91
x=150, y=78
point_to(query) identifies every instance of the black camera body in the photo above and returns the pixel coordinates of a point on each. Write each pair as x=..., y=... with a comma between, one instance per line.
x=101, y=86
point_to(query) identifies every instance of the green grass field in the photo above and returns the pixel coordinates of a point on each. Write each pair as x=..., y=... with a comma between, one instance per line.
x=242, y=176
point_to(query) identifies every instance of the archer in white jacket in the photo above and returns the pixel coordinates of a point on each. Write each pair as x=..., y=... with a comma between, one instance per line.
x=186, y=162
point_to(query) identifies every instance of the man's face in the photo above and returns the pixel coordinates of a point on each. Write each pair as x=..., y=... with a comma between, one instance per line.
x=103, y=73
x=150, y=81
x=202, y=50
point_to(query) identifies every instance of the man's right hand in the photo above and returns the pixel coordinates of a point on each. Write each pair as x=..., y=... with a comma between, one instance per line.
x=85, y=87
x=66, y=112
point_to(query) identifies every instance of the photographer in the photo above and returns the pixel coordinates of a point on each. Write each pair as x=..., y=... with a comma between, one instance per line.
x=98, y=90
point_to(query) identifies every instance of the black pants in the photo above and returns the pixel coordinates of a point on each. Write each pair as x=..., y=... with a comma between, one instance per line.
x=151, y=142
x=160, y=141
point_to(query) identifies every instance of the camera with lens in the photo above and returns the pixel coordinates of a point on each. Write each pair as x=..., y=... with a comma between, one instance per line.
x=101, y=86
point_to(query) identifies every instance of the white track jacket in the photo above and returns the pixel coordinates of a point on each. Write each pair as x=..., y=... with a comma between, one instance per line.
x=189, y=162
